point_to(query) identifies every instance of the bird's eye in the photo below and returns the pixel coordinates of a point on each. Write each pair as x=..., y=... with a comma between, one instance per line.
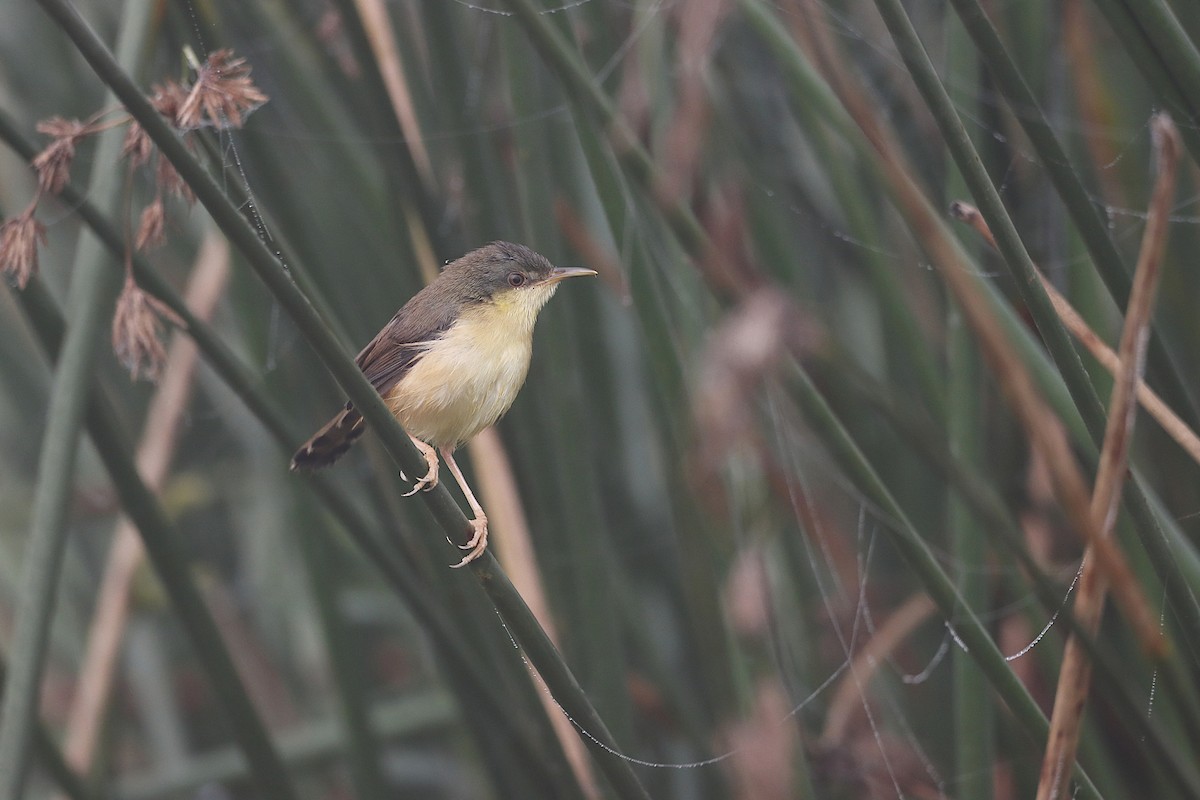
x=516, y=279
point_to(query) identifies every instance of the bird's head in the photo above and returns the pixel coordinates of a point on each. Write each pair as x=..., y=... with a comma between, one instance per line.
x=512, y=277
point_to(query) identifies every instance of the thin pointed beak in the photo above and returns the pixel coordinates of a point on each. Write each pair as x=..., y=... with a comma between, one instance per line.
x=562, y=273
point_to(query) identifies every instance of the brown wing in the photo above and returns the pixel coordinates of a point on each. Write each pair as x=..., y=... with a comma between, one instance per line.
x=402, y=342
x=386, y=359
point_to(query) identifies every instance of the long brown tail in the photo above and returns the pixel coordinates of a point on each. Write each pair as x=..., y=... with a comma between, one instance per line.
x=331, y=442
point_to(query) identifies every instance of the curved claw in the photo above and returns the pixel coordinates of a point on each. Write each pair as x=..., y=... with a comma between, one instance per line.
x=477, y=544
x=430, y=479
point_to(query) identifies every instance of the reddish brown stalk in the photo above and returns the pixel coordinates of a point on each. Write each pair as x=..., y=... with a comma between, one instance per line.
x=595, y=254
x=762, y=751
x=1092, y=94
x=379, y=31
x=1154, y=405
x=699, y=21
x=1075, y=677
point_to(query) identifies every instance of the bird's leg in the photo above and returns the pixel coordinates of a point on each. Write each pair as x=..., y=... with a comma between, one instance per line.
x=430, y=479
x=479, y=528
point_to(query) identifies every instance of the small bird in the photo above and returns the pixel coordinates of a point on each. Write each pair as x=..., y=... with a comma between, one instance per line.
x=451, y=361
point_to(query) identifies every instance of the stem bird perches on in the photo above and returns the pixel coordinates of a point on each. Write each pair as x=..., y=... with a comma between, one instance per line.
x=314, y=328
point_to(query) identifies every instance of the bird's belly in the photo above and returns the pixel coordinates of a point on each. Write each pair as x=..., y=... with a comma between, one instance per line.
x=464, y=383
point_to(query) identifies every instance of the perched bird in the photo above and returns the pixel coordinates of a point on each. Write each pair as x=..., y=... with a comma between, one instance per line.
x=451, y=362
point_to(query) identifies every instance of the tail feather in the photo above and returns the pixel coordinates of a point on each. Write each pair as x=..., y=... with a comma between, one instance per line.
x=331, y=442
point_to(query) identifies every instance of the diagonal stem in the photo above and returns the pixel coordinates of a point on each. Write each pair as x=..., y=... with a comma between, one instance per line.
x=364, y=397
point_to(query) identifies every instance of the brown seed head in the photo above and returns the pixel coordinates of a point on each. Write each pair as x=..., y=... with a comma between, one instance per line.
x=168, y=180
x=19, y=240
x=53, y=165
x=135, y=335
x=137, y=147
x=221, y=94
x=151, y=229
x=168, y=98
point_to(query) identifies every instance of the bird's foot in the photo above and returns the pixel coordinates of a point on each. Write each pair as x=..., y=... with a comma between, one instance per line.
x=430, y=479
x=477, y=544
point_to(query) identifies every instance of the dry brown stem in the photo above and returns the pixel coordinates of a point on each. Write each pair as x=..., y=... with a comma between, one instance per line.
x=379, y=31
x=763, y=751
x=1092, y=93
x=595, y=254
x=699, y=21
x=1075, y=677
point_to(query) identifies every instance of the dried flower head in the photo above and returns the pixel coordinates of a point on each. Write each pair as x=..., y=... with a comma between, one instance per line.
x=170, y=181
x=136, y=337
x=168, y=98
x=221, y=94
x=137, y=147
x=151, y=230
x=19, y=240
x=53, y=165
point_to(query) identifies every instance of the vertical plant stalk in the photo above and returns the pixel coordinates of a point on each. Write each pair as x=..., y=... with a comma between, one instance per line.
x=514, y=549
x=402, y=579
x=93, y=288
x=52, y=760
x=1074, y=679
x=315, y=330
x=342, y=654
x=126, y=552
x=1170, y=39
x=168, y=560
x=1151, y=402
x=383, y=46
x=1093, y=229
x=1045, y=430
x=1092, y=96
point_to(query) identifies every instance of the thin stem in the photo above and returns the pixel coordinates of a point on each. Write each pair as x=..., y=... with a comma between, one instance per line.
x=361, y=393
x=1091, y=226
x=93, y=288
x=398, y=573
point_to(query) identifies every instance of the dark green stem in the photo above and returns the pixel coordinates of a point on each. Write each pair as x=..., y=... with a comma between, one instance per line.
x=93, y=287
x=924, y=563
x=400, y=576
x=168, y=559
x=1025, y=272
x=1092, y=227
x=346, y=373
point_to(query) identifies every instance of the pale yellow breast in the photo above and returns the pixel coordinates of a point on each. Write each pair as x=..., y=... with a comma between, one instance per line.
x=467, y=379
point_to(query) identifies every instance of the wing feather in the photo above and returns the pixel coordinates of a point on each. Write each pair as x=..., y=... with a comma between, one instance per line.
x=422, y=321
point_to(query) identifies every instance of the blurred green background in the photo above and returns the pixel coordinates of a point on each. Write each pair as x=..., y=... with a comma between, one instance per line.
x=727, y=577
